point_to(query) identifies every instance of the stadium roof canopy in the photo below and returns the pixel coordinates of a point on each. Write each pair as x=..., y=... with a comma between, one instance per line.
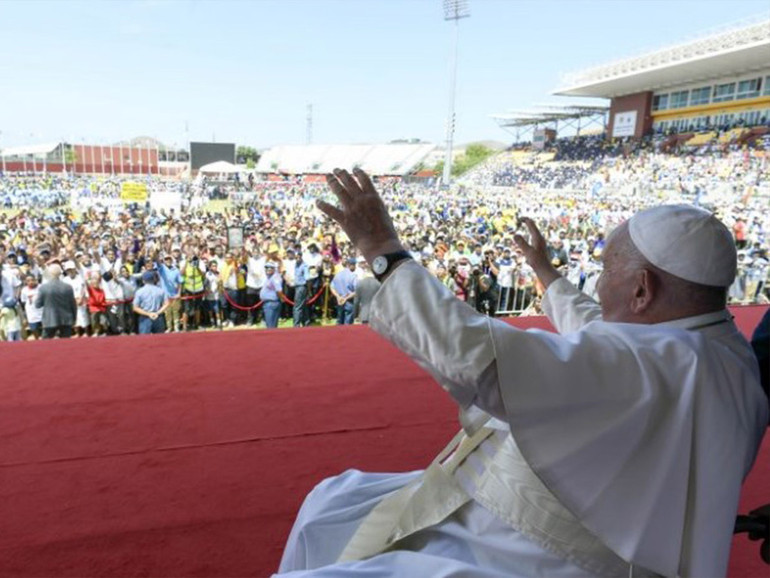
x=21, y=151
x=380, y=159
x=737, y=50
x=549, y=114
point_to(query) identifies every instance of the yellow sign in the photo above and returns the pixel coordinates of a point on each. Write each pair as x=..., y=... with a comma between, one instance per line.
x=133, y=192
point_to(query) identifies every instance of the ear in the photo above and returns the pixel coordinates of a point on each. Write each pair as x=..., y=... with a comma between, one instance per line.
x=645, y=291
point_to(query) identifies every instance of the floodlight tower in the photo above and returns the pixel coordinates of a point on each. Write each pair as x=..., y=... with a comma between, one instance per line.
x=453, y=10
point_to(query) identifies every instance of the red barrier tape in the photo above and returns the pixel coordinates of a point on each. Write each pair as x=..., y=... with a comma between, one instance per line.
x=315, y=297
x=289, y=301
x=241, y=307
x=312, y=300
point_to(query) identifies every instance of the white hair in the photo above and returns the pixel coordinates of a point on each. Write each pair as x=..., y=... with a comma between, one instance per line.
x=54, y=270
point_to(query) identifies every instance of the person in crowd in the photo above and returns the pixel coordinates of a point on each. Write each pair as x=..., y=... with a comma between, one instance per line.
x=255, y=280
x=313, y=259
x=234, y=285
x=57, y=300
x=150, y=303
x=10, y=320
x=213, y=294
x=33, y=313
x=114, y=301
x=343, y=287
x=128, y=286
x=10, y=280
x=272, y=295
x=300, y=312
x=288, y=270
x=616, y=418
x=171, y=279
x=97, y=305
x=74, y=280
x=193, y=289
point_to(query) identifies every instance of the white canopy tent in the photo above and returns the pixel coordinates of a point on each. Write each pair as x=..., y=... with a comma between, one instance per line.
x=220, y=167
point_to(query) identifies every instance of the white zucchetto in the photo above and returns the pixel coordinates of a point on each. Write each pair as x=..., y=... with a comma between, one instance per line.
x=687, y=242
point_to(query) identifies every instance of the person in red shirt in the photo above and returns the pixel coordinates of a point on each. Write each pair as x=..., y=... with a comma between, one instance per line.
x=739, y=232
x=97, y=304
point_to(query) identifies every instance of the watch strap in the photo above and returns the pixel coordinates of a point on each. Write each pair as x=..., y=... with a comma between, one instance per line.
x=392, y=259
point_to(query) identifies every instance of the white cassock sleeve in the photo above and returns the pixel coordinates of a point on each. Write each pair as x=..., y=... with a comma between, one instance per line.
x=607, y=416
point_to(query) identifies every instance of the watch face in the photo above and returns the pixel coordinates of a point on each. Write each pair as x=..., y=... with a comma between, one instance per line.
x=380, y=265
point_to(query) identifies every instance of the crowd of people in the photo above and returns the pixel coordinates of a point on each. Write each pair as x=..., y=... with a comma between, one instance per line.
x=291, y=262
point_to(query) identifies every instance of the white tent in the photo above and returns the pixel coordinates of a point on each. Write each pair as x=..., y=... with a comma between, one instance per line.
x=220, y=167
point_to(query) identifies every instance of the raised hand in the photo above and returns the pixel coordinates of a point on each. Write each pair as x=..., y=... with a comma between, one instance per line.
x=536, y=253
x=362, y=214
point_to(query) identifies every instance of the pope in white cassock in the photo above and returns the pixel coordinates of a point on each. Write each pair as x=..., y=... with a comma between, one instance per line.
x=615, y=448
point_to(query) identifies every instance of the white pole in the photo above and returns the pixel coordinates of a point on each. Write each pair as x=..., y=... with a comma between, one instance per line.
x=453, y=10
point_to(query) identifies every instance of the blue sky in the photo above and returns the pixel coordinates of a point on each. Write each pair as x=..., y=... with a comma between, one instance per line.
x=374, y=70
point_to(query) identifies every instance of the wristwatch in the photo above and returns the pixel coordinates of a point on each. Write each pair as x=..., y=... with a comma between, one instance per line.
x=382, y=264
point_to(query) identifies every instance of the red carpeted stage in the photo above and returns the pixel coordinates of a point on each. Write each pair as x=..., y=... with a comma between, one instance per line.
x=188, y=455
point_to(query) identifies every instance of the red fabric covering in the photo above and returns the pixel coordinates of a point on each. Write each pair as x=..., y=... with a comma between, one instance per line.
x=188, y=455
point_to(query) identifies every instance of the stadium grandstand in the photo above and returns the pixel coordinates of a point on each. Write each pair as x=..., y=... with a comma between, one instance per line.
x=701, y=89
x=394, y=159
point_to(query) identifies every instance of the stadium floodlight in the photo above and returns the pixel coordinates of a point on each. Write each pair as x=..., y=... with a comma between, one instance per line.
x=454, y=10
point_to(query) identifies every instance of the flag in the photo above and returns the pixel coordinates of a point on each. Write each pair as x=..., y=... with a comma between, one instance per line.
x=336, y=257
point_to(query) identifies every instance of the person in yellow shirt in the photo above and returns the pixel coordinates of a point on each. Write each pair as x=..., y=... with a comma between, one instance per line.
x=234, y=285
x=193, y=285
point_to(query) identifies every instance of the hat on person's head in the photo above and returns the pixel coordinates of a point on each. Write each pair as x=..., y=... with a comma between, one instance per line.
x=148, y=276
x=351, y=261
x=67, y=265
x=687, y=242
x=78, y=254
x=269, y=265
x=176, y=248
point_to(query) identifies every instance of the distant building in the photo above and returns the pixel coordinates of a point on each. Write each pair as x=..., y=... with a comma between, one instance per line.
x=142, y=156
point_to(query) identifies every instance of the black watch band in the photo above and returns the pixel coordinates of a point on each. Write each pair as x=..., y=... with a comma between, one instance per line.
x=382, y=264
